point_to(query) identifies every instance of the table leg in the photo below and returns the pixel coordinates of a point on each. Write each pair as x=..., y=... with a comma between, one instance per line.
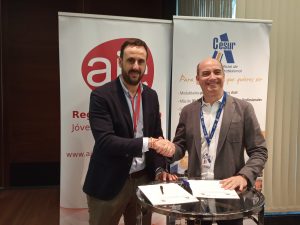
x=261, y=216
x=139, y=218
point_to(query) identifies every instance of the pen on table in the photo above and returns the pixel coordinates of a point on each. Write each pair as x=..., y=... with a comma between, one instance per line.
x=161, y=189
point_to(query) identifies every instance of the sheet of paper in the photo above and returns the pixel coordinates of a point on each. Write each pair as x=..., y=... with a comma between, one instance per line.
x=211, y=189
x=169, y=193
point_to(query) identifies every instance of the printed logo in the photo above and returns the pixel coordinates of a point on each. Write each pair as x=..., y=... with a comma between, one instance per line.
x=223, y=46
x=100, y=65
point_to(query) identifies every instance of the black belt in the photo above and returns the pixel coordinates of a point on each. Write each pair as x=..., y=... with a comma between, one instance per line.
x=137, y=174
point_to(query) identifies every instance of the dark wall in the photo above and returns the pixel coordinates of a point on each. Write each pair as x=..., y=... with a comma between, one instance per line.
x=30, y=101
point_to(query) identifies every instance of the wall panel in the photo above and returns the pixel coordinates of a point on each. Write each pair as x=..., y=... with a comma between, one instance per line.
x=30, y=108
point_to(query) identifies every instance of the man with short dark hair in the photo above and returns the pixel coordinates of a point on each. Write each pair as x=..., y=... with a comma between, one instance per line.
x=125, y=120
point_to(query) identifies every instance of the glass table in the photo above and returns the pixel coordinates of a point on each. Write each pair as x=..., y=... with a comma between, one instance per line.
x=249, y=205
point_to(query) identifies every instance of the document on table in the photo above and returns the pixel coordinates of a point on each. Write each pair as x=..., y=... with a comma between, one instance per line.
x=169, y=193
x=211, y=189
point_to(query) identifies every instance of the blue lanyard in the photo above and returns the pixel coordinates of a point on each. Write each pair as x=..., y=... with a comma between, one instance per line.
x=209, y=137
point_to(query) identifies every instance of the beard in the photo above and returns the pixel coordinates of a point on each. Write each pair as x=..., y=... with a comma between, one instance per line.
x=134, y=79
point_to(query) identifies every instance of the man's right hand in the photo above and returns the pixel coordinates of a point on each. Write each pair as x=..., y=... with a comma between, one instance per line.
x=164, y=147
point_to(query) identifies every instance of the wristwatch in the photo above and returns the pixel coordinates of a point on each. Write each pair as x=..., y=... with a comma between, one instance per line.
x=158, y=171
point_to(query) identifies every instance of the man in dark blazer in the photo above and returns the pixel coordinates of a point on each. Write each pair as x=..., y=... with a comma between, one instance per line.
x=125, y=120
x=215, y=130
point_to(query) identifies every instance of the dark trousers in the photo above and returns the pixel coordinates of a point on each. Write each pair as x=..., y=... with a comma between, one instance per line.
x=103, y=212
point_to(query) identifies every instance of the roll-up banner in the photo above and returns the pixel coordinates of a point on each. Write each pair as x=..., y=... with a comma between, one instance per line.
x=243, y=48
x=88, y=50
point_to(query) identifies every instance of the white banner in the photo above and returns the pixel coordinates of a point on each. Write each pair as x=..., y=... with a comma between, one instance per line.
x=243, y=48
x=88, y=49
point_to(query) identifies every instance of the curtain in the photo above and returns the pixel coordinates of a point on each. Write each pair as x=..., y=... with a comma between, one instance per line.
x=205, y=8
x=282, y=172
x=281, y=178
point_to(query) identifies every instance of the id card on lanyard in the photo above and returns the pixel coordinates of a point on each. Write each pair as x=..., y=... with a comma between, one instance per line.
x=206, y=158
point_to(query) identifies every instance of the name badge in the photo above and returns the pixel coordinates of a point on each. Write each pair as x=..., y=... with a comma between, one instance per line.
x=206, y=161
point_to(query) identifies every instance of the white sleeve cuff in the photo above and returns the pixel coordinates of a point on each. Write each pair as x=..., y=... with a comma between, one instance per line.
x=145, y=144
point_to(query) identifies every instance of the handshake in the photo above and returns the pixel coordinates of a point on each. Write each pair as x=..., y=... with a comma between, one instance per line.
x=162, y=146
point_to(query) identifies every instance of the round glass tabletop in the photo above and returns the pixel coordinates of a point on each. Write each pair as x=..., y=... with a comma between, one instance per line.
x=250, y=202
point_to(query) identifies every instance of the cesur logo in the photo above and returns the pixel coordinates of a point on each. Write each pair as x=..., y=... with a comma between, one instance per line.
x=100, y=65
x=223, y=46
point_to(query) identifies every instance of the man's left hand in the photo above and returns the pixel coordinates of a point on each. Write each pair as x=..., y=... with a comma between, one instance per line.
x=235, y=182
x=165, y=176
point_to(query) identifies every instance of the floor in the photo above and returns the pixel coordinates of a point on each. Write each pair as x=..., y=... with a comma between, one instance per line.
x=38, y=206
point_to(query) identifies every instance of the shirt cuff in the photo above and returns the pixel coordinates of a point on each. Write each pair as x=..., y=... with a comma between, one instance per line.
x=145, y=144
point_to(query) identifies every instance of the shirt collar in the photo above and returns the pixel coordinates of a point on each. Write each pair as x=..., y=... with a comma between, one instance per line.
x=125, y=88
x=207, y=104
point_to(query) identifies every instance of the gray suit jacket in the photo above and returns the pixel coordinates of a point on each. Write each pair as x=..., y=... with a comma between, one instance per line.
x=239, y=131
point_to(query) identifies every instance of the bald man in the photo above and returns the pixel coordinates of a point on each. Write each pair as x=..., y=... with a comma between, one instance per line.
x=215, y=130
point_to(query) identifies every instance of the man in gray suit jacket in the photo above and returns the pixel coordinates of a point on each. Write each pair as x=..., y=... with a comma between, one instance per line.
x=215, y=130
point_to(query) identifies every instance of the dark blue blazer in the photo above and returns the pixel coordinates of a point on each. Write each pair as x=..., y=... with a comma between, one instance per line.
x=115, y=145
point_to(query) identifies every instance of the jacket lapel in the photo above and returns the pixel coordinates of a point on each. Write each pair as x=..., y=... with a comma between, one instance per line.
x=229, y=109
x=145, y=105
x=196, y=121
x=124, y=107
